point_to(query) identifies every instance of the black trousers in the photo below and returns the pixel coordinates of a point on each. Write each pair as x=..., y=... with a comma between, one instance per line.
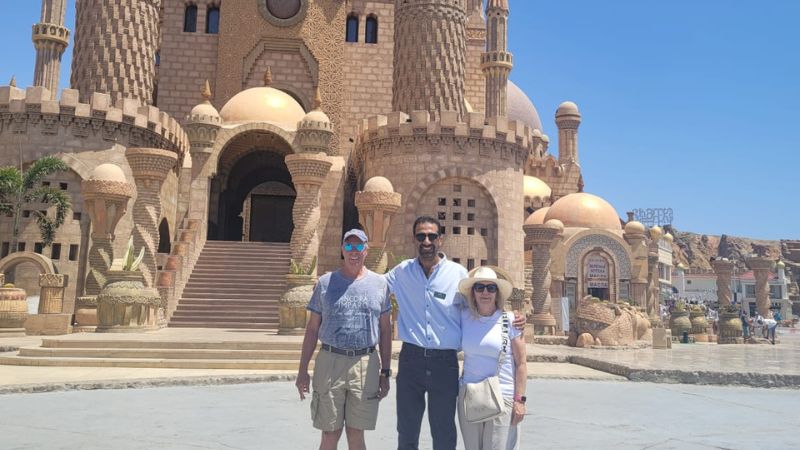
x=431, y=372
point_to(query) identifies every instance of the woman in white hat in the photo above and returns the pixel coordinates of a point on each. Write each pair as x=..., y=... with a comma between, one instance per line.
x=487, y=354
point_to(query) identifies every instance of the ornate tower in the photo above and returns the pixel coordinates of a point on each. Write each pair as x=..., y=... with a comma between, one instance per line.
x=115, y=48
x=50, y=38
x=568, y=119
x=496, y=61
x=429, y=56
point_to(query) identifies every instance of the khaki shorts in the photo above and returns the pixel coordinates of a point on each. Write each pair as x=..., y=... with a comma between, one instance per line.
x=345, y=391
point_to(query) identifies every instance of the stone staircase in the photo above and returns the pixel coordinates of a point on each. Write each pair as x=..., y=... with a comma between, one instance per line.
x=141, y=352
x=234, y=285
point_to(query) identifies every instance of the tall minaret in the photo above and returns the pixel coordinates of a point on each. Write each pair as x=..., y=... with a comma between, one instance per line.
x=115, y=48
x=429, y=56
x=496, y=62
x=50, y=38
x=568, y=119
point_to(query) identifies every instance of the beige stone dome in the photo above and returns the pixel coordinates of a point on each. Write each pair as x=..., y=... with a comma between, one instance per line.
x=534, y=188
x=537, y=218
x=263, y=104
x=582, y=210
x=108, y=172
x=567, y=109
x=668, y=237
x=204, y=109
x=634, y=227
x=520, y=107
x=378, y=184
x=780, y=265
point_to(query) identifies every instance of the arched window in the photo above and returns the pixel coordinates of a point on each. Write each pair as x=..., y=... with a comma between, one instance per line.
x=352, y=28
x=372, y=30
x=190, y=19
x=212, y=20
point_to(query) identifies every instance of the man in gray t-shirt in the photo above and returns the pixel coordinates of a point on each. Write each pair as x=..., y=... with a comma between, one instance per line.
x=349, y=314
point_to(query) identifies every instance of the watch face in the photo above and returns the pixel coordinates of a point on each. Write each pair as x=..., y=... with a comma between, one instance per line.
x=284, y=9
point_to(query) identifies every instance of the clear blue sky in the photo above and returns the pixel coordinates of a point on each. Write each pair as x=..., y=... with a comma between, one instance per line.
x=688, y=104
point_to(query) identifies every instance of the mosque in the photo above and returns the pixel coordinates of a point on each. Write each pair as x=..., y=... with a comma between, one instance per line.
x=276, y=125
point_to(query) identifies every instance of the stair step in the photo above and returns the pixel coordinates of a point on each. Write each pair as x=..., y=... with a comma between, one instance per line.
x=243, y=316
x=153, y=363
x=216, y=324
x=223, y=320
x=143, y=344
x=164, y=353
x=228, y=302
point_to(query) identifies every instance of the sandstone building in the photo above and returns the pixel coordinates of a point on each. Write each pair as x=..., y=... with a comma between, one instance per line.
x=286, y=122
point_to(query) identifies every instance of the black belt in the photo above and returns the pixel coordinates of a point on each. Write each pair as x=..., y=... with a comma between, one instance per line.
x=427, y=352
x=341, y=351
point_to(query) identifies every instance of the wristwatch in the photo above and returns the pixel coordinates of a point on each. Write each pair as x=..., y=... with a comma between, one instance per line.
x=520, y=398
x=386, y=373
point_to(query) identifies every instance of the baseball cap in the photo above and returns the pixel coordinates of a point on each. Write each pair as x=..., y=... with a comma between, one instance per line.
x=357, y=233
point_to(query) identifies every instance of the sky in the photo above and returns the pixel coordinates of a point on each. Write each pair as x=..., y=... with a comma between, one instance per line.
x=686, y=104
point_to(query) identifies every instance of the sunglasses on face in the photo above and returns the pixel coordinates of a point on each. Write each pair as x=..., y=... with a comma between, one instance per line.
x=420, y=237
x=357, y=247
x=477, y=287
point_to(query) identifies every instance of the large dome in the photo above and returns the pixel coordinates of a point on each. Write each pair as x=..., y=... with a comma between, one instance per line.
x=521, y=108
x=582, y=210
x=263, y=104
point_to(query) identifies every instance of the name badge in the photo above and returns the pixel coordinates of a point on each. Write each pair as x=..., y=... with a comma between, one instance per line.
x=440, y=295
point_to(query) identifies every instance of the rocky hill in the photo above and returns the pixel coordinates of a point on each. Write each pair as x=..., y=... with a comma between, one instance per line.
x=696, y=250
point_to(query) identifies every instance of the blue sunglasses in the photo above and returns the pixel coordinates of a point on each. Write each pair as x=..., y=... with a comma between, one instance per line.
x=358, y=247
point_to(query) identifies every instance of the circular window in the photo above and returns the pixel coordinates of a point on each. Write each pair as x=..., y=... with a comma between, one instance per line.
x=283, y=13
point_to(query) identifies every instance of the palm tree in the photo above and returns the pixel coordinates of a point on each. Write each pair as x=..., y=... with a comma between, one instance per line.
x=18, y=187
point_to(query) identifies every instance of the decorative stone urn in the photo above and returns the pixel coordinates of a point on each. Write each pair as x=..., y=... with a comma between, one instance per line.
x=125, y=303
x=730, y=327
x=292, y=304
x=679, y=323
x=13, y=311
x=699, y=322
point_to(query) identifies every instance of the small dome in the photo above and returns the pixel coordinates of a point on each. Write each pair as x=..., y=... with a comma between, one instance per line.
x=669, y=238
x=315, y=120
x=108, y=172
x=537, y=218
x=378, y=184
x=263, y=104
x=582, y=210
x=656, y=233
x=780, y=265
x=567, y=109
x=534, y=187
x=634, y=227
x=204, y=109
x=520, y=107
x=555, y=223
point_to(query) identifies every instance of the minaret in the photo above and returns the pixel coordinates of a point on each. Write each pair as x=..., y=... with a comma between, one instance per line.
x=568, y=119
x=115, y=48
x=50, y=38
x=496, y=62
x=429, y=56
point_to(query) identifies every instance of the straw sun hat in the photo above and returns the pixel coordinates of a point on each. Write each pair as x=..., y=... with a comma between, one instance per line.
x=485, y=275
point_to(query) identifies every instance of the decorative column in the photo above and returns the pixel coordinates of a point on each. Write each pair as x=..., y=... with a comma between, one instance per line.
x=496, y=61
x=51, y=294
x=50, y=38
x=653, y=287
x=105, y=198
x=635, y=237
x=730, y=326
x=309, y=170
x=150, y=167
x=543, y=238
x=568, y=119
x=376, y=204
x=761, y=267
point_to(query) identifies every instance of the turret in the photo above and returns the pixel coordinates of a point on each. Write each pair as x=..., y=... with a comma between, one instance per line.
x=50, y=38
x=496, y=61
x=568, y=119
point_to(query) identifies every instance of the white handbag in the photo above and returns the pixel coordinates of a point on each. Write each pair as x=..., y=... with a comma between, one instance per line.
x=483, y=401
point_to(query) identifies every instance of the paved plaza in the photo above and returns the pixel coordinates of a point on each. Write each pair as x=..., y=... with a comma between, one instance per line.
x=564, y=414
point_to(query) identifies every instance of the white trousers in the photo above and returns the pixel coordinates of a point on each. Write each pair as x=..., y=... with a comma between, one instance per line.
x=495, y=434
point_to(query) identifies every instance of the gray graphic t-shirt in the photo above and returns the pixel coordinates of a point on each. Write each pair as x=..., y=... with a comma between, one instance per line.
x=350, y=309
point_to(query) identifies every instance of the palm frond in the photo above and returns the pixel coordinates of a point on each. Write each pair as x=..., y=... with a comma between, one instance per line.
x=49, y=225
x=40, y=169
x=10, y=183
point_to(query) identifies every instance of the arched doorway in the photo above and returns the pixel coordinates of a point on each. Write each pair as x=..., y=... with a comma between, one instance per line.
x=240, y=207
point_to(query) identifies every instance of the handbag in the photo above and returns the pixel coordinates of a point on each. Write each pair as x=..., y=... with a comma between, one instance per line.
x=483, y=401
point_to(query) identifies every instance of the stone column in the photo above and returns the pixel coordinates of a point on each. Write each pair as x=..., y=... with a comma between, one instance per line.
x=51, y=294
x=542, y=237
x=640, y=270
x=761, y=267
x=150, y=167
x=724, y=270
x=202, y=127
x=653, y=298
x=105, y=198
x=308, y=172
x=376, y=204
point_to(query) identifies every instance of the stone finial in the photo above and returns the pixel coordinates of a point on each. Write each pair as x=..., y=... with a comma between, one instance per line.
x=268, y=77
x=317, y=99
x=13, y=82
x=206, y=91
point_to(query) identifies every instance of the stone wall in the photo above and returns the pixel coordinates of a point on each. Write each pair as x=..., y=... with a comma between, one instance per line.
x=418, y=155
x=186, y=59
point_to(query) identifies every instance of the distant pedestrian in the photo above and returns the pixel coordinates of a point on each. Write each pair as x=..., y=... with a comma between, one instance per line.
x=349, y=314
x=745, y=324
